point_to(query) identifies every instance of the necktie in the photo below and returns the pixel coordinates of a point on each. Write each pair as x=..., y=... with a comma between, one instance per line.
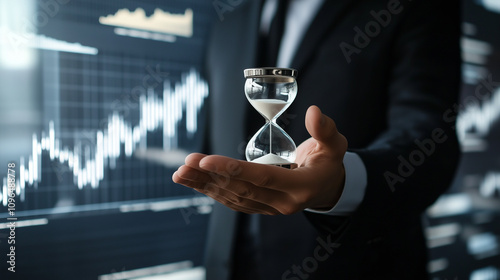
x=269, y=46
x=246, y=251
x=271, y=43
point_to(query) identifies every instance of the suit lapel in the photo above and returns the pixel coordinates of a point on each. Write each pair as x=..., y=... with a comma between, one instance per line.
x=253, y=35
x=245, y=23
x=328, y=17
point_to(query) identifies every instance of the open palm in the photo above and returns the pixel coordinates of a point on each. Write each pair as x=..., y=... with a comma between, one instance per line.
x=256, y=188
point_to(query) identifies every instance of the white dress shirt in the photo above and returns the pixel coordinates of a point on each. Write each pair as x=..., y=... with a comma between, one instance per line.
x=299, y=16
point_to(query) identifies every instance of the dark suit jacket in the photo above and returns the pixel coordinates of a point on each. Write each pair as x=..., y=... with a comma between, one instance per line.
x=388, y=100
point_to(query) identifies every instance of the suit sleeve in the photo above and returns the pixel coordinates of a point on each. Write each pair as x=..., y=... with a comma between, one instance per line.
x=414, y=159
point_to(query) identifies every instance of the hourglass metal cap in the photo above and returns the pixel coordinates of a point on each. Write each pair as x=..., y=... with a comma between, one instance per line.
x=269, y=71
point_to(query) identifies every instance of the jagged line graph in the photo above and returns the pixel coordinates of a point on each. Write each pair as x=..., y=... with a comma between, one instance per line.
x=88, y=169
x=42, y=42
x=479, y=118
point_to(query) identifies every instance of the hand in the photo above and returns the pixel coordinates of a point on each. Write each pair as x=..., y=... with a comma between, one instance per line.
x=256, y=188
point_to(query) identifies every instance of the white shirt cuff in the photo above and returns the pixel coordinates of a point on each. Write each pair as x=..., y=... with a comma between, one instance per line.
x=354, y=187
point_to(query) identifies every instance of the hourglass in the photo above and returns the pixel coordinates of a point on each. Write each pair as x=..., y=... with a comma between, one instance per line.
x=271, y=91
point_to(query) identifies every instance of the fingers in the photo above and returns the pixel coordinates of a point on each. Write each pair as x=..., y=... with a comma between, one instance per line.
x=260, y=175
x=324, y=130
x=319, y=126
x=193, y=160
x=236, y=200
x=238, y=190
x=239, y=204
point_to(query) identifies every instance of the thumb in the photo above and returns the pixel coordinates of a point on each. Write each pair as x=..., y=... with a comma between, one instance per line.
x=324, y=130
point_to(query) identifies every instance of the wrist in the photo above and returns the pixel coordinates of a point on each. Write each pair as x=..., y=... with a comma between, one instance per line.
x=331, y=195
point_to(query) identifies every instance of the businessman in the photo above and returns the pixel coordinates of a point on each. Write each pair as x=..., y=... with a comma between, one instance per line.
x=376, y=150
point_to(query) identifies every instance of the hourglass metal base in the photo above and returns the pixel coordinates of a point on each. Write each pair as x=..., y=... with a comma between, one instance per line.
x=272, y=159
x=284, y=165
x=287, y=166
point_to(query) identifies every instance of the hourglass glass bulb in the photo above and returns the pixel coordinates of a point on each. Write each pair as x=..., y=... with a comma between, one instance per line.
x=271, y=91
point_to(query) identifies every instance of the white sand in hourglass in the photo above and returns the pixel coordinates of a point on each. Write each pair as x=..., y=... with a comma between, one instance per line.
x=268, y=107
x=271, y=159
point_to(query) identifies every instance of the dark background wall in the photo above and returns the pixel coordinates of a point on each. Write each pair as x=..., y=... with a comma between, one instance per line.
x=464, y=225
x=135, y=217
